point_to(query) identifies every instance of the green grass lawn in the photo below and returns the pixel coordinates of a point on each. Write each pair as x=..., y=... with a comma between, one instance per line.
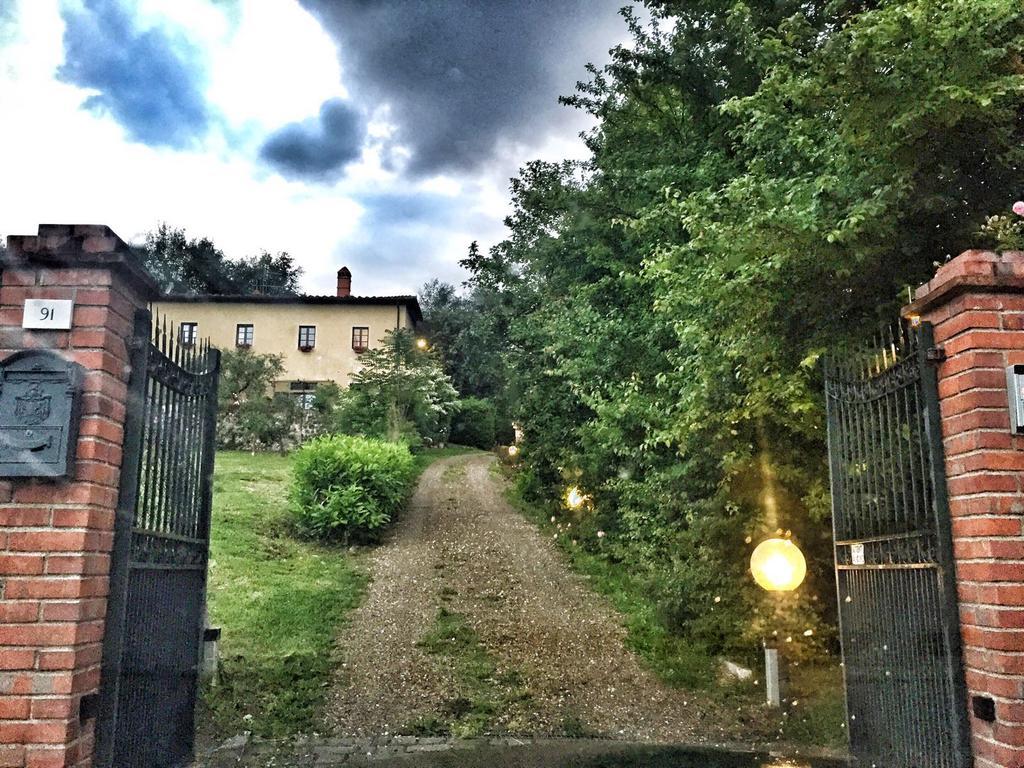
x=279, y=600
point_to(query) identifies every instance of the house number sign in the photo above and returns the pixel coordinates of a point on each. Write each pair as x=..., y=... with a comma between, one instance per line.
x=47, y=314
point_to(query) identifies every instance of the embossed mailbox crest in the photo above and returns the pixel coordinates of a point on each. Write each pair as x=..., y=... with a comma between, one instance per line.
x=39, y=411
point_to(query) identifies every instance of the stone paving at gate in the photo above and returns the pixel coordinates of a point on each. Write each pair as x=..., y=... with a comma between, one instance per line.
x=303, y=751
x=507, y=752
x=243, y=751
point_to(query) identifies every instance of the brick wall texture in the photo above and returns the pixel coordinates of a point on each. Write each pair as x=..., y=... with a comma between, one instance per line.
x=976, y=303
x=56, y=536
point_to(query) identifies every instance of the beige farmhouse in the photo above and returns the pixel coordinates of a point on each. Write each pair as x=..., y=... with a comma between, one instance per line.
x=319, y=337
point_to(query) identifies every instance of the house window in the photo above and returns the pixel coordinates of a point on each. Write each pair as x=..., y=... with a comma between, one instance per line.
x=305, y=392
x=360, y=338
x=307, y=337
x=243, y=335
x=187, y=334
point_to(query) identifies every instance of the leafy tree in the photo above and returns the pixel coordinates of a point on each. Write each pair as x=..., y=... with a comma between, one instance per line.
x=400, y=392
x=183, y=265
x=250, y=415
x=765, y=180
x=473, y=423
x=469, y=333
x=246, y=375
x=268, y=422
x=266, y=274
x=195, y=265
x=321, y=417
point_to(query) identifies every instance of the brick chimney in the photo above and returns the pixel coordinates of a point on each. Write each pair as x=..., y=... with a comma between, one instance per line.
x=344, y=282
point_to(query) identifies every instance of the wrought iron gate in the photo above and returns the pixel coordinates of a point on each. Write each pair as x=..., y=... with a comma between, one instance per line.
x=155, y=612
x=905, y=694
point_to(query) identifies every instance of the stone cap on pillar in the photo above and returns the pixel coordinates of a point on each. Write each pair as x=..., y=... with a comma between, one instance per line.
x=79, y=246
x=974, y=270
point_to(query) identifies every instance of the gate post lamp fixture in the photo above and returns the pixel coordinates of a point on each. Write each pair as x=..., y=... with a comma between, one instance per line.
x=778, y=565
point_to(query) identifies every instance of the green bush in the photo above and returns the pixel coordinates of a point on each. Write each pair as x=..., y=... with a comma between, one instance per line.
x=349, y=488
x=400, y=392
x=473, y=424
x=504, y=430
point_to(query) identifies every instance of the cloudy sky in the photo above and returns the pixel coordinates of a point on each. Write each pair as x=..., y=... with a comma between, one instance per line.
x=380, y=134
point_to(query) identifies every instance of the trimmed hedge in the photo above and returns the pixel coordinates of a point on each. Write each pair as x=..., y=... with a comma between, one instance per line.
x=473, y=423
x=349, y=488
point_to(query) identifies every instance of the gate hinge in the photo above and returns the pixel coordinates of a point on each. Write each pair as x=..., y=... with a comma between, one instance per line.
x=935, y=354
x=137, y=343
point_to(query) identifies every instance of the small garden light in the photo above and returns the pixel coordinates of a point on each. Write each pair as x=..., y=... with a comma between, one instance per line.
x=513, y=451
x=421, y=343
x=778, y=565
x=575, y=498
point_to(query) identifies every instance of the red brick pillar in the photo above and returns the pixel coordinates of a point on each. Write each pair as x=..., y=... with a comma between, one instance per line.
x=56, y=535
x=976, y=303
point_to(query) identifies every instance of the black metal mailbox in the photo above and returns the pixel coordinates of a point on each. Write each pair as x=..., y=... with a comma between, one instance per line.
x=39, y=413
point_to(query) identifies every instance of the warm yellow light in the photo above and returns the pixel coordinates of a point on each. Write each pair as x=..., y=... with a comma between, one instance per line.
x=575, y=498
x=421, y=343
x=778, y=565
x=513, y=450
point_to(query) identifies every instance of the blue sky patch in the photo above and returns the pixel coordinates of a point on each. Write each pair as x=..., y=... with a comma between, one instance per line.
x=148, y=80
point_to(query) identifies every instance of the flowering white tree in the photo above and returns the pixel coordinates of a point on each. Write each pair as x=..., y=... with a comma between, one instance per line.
x=399, y=391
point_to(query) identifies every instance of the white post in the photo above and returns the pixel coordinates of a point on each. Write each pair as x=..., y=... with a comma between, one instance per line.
x=771, y=677
x=211, y=654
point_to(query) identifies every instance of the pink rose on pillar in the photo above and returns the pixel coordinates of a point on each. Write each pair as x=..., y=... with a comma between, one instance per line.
x=1018, y=207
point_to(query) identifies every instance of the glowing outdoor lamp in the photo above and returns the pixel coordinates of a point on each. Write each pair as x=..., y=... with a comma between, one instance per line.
x=778, y=565
x=421, y=343
x=513, y=451
x=575, y=498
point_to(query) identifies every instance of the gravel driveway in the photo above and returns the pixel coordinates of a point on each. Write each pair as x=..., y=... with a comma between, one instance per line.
x=462, y=546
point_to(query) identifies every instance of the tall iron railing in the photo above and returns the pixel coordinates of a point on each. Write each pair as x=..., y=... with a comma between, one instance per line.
x=899, y=626
x=158, y=571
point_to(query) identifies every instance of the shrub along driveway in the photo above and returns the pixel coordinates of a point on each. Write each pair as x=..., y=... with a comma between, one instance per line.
x=473, y=625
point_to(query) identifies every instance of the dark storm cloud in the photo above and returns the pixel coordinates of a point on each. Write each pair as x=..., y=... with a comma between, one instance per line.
x=318, y=148
x=147, y=79
x=463, y=75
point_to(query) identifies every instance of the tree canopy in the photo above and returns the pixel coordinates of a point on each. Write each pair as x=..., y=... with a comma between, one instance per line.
x=468, y=332
x=399, y=392
x=766, y=180
x=196, y=266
